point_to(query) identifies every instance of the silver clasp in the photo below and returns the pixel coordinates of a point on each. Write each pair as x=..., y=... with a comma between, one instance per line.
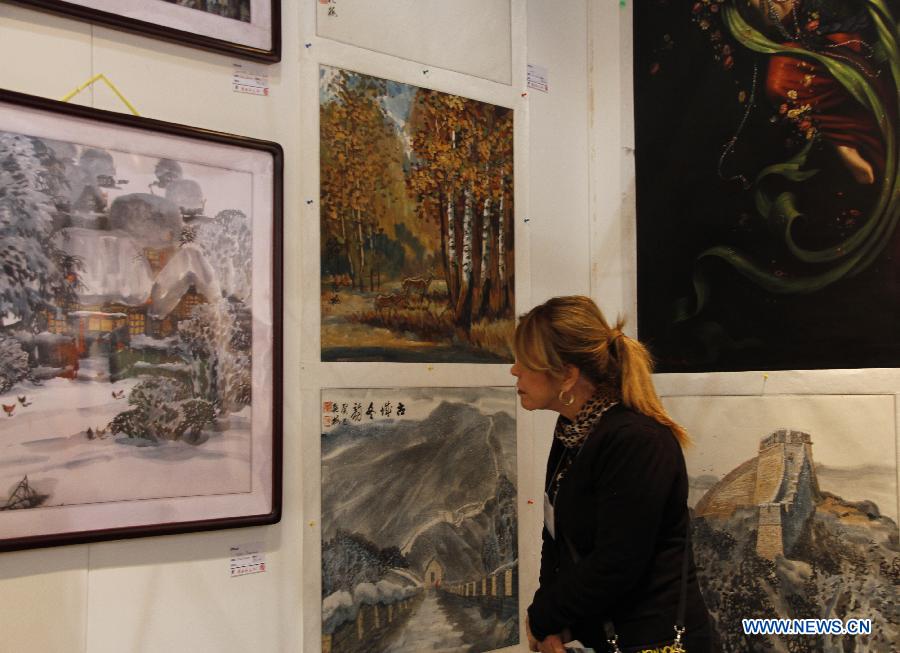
x=614, y=644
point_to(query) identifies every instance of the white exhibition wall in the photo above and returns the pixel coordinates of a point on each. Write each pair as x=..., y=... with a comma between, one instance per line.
x=574, y=211
x=174, y=593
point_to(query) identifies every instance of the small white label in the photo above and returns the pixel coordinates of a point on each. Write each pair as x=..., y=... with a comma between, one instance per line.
x=538, y=78
x=549, y=516
x=247, y=559
x=250, y=79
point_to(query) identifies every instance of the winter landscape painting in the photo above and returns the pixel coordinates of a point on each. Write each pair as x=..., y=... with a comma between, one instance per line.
x=416, y=223
x=419, y=520
x=794, y=501
x=250, y=29
x=137, y=325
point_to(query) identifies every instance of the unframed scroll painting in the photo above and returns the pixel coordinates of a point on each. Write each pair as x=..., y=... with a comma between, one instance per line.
x=795, y=501
x=419, y=520
x=477, y=43
x=416, y=223
x=767, y=183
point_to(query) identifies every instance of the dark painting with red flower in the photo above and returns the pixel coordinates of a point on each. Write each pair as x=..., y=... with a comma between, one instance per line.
x=768, y=189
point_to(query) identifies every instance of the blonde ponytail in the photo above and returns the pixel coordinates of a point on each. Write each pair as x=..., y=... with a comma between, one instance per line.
x=573, y=331
x=638, y=392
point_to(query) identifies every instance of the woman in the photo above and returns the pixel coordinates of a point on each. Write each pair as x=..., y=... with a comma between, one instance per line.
x=616, y=517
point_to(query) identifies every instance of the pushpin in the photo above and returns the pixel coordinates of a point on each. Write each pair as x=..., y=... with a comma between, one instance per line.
x=308, y=45
x=524, y=94
x=309, y=201
x=531, y=502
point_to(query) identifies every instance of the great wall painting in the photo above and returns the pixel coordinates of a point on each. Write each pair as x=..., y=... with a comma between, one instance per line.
x=795, y=514
x=419, y=520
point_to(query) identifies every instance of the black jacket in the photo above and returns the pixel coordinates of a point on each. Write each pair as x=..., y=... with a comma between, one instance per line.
x=623, y=506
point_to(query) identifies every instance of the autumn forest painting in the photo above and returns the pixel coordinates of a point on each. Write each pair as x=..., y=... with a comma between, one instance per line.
x=417, y=247
x=767, y=183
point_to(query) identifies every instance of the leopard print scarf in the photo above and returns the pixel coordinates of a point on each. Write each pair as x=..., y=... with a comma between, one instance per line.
x=573, y=434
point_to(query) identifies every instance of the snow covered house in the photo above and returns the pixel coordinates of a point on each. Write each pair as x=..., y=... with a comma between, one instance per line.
x=153, y=221
x=121, y=296
x=114, y=284
x=187, y=280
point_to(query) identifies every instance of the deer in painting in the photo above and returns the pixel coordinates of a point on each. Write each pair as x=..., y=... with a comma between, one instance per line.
x=418, y=284
x=394, y=301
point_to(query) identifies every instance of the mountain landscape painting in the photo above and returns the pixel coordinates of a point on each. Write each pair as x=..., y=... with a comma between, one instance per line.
x=417, y=248
x=235, y=9
x=131, y=319
x=795, y=503
x=419, y=520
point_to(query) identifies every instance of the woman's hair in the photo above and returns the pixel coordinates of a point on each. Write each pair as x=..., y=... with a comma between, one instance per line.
x=572, y=331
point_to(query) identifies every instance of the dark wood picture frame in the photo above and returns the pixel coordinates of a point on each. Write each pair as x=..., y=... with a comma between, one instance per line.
x=271, y=54
x=234, y=474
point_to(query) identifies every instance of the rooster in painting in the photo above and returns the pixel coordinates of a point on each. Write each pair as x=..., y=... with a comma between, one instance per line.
x=23, y=399
x=9, y=410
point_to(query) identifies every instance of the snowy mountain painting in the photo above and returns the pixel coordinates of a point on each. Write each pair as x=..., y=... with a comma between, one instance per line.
x=126, y=331
x=419, y=520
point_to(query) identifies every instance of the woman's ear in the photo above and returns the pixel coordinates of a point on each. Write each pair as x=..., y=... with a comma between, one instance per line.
x=570, y=377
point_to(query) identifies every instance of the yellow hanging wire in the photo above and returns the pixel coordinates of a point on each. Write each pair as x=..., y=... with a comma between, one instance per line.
x=100, y=77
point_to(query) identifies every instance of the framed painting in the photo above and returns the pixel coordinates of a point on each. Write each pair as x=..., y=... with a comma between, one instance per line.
x=249, y=29
x=417, y=228
x=767, y=183
x=140, y=326
x=419, y=520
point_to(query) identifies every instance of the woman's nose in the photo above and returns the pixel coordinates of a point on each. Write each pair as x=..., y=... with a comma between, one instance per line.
x=514, y=370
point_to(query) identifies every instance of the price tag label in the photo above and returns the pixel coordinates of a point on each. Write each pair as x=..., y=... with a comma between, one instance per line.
x=538, y=78
x=249, y=79
x=247, y=559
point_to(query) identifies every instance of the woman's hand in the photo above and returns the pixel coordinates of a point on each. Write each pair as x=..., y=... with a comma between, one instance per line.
x=533, y=644
x=552, y=644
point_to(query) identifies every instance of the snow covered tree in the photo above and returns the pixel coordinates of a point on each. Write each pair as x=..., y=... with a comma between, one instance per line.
x=163, y=410
x=226, y=243
x=28, y=258
x=216, y=345
x=13, y=363
x=166, y=172
x=155, y=414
